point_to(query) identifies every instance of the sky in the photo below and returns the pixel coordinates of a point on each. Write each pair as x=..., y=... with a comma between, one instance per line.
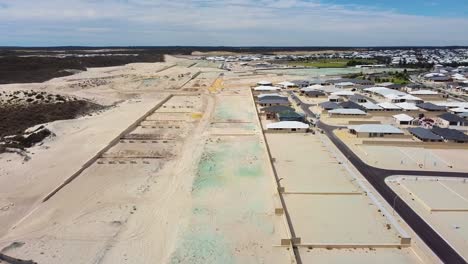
x=233, y=22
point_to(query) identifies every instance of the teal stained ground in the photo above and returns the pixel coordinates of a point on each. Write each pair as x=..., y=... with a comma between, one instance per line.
x=234, y=171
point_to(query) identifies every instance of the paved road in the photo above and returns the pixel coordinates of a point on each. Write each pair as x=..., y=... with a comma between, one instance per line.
x=376, y=177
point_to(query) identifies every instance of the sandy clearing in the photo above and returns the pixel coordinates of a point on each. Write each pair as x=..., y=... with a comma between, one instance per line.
x=412, y=158
x=339, y=219
x=53, y=162
x=451, y=225
x=447, y=198
x=362, y=256
x=328, y=212
x=230, y=196
x=308, y=166
x=98, y=207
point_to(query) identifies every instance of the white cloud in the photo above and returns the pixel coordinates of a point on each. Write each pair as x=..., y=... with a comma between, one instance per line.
x=222, y=22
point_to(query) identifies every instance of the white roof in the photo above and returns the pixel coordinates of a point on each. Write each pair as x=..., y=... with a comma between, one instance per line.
x=385, y=84
x=267, y=88
x=376, y=128
x=343, y=93
x=264, y=83
x=410, y=97
x=313, y=88
x=403, y=117
x=383, y=91
x=287, y=125
x=371, y=106
x=316, y=86
x=287, y=84
x=452, y=104
x=434, y=74
x=347, y=111
x=459, y=110
x=424, y=92
x=407, y=106
x=270, y=94
x=344, y=84
x=389, y=106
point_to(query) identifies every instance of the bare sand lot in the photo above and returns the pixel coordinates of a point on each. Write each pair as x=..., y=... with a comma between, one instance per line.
x=413, y=158
x=242, y=192
x=339, y=220
x=24, y=183
x=90, y=213
x=328, y=210
x=307, y=166
x=364, y=256
x=446, y=212
x=230, y=196
x=394, y=154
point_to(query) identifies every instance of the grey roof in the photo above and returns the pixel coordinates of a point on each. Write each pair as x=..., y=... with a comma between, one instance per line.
x=452, y=118
x=301, y=83
x=273, y=101
x=357, y=97
x=394, y=86
x=376, y=128
x=272, y=97
x=423, y=133
x=349, y=104
x=450, y=134
x=277, y=109
x=440, y=78
x=414, y=85
x=314, y=93
x=329, y=105
x=371, y=106
x=431, y=107
x=347, y=111
x=289, y=114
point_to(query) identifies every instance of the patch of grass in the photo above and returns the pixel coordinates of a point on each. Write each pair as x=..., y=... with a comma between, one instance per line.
x=332, y=63
x=321, y=63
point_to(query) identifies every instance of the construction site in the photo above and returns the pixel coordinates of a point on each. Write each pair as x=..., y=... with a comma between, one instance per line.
x=184, y=166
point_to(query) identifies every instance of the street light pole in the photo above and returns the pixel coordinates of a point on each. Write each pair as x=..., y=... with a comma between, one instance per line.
x=394, y=203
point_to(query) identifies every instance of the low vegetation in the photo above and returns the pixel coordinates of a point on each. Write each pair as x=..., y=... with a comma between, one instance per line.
x=20, y=110
x=28, y=67
x=331, y=63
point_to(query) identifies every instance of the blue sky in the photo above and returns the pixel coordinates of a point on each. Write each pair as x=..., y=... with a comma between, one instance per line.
x=438, y=8
x=233, y=22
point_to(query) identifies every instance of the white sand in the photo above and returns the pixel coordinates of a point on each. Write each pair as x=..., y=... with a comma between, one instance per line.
x=451, y=217
x=136, y=204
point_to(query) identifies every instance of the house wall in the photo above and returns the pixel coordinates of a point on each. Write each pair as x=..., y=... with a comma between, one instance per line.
x=285, y=104
x=442, y=123
x=348, y=116
x=392, y=113
x=430, y=97
x=368, y=135
x=285, y=131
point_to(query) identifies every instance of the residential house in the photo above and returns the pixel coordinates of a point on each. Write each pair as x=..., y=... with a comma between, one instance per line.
x=425, y=135
x=288, y=126
x=448, y=119
x=375, y=130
